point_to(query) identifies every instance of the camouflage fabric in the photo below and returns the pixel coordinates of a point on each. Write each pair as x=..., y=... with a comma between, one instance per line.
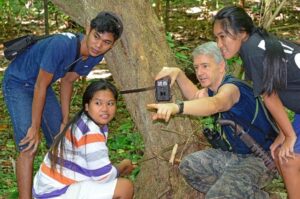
x=225, y=175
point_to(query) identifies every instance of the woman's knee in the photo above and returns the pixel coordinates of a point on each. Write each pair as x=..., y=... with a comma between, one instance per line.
x=124, y=189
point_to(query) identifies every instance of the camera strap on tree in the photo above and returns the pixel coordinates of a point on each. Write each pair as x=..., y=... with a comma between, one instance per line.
x=136, y=90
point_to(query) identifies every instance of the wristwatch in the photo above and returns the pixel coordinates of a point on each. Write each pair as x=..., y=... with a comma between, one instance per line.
x=180, y=105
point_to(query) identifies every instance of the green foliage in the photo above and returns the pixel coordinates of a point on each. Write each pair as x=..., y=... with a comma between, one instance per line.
x=207, y=122
x=179, y=51
x=19, y=17
x=291, y=114
x=277, y=187
x=183, y=58
x=13, y=12
x=24, y=16
x=233, y=62
x=124, y=141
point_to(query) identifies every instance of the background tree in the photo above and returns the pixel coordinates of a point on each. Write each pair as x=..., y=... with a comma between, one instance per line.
x=269, y=15
x=139, y=55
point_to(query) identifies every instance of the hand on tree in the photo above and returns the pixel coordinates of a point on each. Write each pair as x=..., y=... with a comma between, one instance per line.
x=125, y=167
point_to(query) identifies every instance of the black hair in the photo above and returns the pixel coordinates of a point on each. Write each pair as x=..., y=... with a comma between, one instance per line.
x=58, y=144
x=108, y=22
x=274, y=66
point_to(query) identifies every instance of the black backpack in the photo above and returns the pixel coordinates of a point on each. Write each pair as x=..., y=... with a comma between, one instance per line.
x=14, y=47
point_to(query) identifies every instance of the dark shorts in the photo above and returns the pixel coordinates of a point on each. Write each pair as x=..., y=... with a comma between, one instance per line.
x=296, y=126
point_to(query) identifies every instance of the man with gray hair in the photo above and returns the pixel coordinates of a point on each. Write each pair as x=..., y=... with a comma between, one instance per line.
x=229, y=170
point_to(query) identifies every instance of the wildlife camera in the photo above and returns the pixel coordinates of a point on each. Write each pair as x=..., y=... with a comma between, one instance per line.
x=162, y=89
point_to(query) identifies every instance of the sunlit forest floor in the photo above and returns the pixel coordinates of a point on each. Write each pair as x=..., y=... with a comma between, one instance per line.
x=189, y=25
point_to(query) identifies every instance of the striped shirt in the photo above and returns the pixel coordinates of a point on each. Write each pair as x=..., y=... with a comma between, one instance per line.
x=86, y=160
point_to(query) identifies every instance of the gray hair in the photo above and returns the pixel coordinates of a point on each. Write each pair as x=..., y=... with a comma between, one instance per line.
x=211, y=49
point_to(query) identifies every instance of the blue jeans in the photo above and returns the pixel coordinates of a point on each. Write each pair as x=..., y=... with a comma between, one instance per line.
x=18, y=99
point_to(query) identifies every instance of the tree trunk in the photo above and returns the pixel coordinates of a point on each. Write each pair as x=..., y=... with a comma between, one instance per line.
x=46, y=17
x=134, y=61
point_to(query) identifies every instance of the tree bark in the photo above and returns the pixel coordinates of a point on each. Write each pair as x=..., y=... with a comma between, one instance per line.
x=134, y=61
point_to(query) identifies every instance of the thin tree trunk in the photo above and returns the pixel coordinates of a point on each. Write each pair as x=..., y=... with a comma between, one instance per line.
x=167, y=11
x=134, y=61
x=242, y=3
x=46, y=17
x=269, y=22
x=158, y=9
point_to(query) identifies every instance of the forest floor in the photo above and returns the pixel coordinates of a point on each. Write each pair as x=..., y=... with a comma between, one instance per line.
x=189, y=26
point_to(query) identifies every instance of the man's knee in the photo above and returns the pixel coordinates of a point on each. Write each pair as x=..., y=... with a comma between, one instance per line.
x=186, y=166
x=195, y=163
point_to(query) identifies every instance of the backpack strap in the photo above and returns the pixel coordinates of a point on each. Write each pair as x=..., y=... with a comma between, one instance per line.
x=258, y=103
x=14, y=47
x=32, y=38
x=78, y=57
x=270, y=120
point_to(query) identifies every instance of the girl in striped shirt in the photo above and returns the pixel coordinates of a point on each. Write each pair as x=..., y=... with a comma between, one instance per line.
x=78, y=165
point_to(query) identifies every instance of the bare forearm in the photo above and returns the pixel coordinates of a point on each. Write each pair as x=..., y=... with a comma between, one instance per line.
x=38, y=106
x=276, y=108
x=66, y=91
x=201, y=107
x=125, y=167
x=227, y=96
x=40, y=91
x=188, y=89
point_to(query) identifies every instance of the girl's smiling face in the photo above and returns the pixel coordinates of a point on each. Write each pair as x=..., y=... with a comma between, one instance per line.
x=228, y=41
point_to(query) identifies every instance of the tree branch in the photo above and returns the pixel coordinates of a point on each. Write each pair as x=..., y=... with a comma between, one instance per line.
x=275, y=14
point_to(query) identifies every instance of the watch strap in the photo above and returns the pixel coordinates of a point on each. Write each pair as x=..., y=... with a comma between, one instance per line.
x=180, y=105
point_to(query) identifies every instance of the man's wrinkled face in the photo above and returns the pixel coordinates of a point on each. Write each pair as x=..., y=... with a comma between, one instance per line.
x=208, y=72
